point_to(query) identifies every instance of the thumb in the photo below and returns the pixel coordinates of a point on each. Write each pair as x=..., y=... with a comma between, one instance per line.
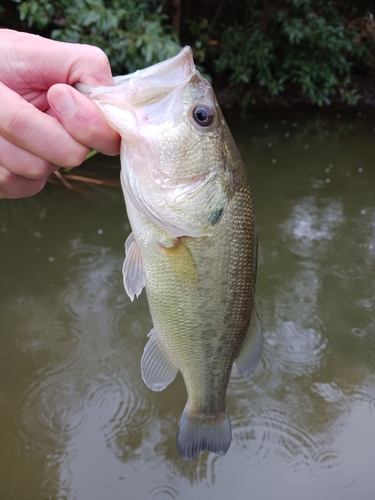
x=82, y=119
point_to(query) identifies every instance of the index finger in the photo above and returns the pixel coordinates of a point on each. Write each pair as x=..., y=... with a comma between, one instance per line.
x=41, y=134
x=55, y=62
x=83, y=121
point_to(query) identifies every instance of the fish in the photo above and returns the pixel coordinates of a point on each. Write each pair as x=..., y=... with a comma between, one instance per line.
x=193, y=245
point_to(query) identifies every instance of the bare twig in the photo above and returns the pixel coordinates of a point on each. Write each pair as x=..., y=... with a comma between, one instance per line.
x=63, y=180
x=216, y=15
x=102, y=182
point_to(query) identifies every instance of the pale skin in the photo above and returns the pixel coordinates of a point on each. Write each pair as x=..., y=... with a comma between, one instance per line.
x=45, y=123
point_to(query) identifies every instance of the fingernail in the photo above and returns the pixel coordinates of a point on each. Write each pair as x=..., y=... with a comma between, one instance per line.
x=64, y=103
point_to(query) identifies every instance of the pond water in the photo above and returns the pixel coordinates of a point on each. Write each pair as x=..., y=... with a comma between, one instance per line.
x=76, y=420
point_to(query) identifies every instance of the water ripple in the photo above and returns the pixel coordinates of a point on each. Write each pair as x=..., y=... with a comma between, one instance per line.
x=124, y=406
x=93, y=378
x=84, y=255
x=266, y=376
x=58, y=403
x=275, y=432
x=327, y=458
x=310, y=226
x=353, y=273
x=163, y=492
x=299, y=349
x=92, y=282
x=48, y=407
x=363, y=397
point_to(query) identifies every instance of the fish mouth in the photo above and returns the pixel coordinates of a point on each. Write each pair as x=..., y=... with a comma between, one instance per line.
x=149, y=85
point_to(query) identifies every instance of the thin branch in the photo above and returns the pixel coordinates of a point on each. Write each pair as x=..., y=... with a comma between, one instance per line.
x=217, y=14
x=103, y=182
x=63, y=180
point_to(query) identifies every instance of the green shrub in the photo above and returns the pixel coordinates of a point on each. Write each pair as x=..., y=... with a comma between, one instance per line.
x=310, y=45
x=134, y=34
x=304, y=42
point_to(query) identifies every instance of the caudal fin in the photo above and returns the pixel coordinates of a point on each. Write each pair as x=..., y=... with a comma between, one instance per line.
x=199, y=434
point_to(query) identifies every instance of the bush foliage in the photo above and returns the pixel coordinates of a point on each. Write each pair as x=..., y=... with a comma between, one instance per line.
x=313, y=45
x=305, y=42
x=133, y=33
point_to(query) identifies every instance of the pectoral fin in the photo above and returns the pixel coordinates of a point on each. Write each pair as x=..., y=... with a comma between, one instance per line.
x=180, y=262
x=132, y=270
x=158, y=371
x=251, y=349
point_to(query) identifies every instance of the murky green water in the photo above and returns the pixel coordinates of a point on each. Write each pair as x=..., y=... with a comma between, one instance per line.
x=76, y=420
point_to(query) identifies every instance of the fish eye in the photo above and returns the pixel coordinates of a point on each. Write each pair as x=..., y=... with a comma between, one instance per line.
x=203, y=115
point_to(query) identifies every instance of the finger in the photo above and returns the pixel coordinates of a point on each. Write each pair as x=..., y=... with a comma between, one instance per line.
x=22, y=162
x=83, y=120
x=61, y=62
x=41, y=134
x=15, y=186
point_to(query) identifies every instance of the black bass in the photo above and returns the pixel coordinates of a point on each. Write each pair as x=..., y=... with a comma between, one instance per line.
x=193, y=244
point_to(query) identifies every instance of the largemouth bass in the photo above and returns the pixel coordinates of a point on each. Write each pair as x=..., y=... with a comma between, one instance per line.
x=193, y=244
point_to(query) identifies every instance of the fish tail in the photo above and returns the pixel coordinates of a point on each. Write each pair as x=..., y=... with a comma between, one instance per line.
x=196, y=434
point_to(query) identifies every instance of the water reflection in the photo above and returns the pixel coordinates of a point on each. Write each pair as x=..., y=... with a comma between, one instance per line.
x=77, y=420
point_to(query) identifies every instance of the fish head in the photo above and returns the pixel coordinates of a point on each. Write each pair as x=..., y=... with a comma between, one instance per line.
x=174, y=151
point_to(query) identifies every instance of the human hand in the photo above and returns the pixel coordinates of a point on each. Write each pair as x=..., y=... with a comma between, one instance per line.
x=44, y=122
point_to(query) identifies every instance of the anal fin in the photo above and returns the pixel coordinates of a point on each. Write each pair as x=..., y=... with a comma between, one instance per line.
x=132, y=270
x=158, y=371
x=251, y=349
